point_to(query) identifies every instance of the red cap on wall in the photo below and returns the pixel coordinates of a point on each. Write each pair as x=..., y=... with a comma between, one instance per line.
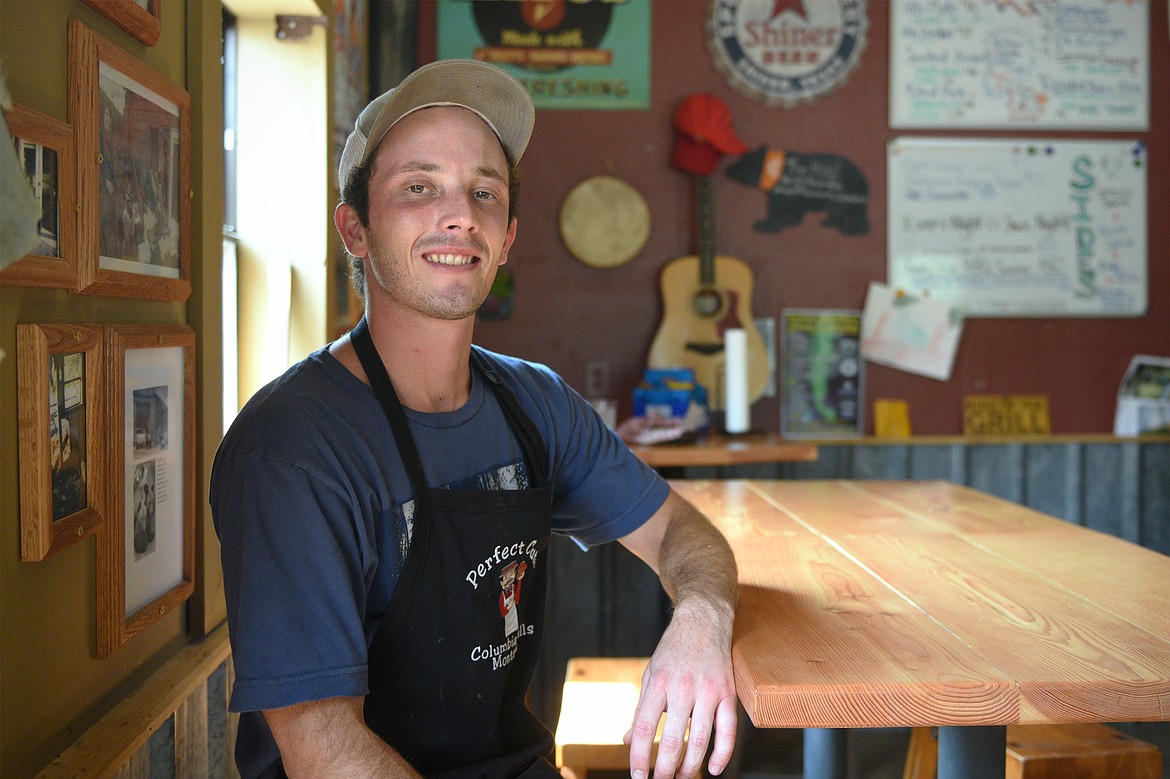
x=704, y=134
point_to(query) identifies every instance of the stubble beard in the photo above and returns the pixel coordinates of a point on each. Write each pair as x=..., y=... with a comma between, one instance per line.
x=456, y=302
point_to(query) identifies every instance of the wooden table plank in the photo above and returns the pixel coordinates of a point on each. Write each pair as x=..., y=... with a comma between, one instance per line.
x=855, y=654
x=835, y=507
x=742, y=512
x=1118, y=576
x=956, y=509
x=1073, y=660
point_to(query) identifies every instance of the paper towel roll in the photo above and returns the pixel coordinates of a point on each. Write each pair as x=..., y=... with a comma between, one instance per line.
x=737, y=417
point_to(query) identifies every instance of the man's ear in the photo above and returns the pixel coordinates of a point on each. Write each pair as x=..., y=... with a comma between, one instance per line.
x=349, y=226
x=509, y=239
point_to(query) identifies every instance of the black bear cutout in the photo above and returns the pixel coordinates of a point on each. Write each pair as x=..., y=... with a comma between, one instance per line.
x=797, y=183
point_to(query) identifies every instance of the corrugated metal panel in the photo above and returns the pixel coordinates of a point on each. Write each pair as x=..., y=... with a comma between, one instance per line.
x=1103, y=484
x=997, y=469
x=1155, y=496
x=880, y=461
x=938, y=462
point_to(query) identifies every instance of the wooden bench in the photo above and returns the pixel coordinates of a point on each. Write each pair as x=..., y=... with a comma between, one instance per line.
x=597, y=708
x=1079, y=751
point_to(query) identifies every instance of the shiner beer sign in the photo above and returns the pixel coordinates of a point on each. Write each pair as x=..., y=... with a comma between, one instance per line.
x=786, y=52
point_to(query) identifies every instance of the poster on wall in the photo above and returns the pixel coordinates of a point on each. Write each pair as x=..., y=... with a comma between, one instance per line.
x=820, y=374
x=1002, y=228
x=593, y=54
x=786, y=52
x=1067, y=64
x=152, y=479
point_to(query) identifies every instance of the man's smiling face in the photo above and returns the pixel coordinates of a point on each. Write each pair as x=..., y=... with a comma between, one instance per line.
x=439, y=226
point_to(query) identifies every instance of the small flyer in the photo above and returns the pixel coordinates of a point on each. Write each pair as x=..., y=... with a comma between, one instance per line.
x=917, y=335
x=1143, y=401
x=820, y=374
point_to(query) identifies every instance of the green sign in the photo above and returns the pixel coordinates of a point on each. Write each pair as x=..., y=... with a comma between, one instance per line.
x=585, y=54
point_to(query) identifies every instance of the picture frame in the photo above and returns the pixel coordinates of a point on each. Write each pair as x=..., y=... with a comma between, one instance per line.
x=146, y=548
x=46, y=151
x=60, y=381
x=132, y=131
x=140, y=18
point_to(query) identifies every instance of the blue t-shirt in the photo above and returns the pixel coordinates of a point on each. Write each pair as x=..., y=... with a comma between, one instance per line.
x=314, y=509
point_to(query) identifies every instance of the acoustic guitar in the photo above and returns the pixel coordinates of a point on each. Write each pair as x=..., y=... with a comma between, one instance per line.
x=703, y=296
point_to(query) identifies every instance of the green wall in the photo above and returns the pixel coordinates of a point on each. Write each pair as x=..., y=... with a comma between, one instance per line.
x=52, y=686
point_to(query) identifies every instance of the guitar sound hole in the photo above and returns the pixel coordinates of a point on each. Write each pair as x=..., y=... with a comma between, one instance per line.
x=707, y=302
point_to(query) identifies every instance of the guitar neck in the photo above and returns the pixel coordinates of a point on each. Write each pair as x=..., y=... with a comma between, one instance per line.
x=706, y=231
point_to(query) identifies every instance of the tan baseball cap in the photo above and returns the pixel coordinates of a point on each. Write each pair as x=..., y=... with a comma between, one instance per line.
x=498, y=99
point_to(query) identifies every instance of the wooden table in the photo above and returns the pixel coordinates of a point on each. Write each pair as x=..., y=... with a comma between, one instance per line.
x=721, y=450
x=900, y=604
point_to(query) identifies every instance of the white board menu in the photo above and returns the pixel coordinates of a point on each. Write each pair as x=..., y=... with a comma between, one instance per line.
x=1061, y=64
x=1020, y=227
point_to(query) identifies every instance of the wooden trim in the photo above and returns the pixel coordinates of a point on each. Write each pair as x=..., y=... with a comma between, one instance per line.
x=145, y=24
x=105, y=747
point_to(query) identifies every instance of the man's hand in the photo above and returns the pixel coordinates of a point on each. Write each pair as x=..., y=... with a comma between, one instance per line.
x=689, y=678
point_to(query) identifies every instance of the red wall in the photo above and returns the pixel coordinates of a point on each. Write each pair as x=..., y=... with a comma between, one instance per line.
x=567, y=314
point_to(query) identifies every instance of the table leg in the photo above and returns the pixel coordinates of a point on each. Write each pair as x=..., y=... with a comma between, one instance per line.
x=972, y=752
x=825, y=753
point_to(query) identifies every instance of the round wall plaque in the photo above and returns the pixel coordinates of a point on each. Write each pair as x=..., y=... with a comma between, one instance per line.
x=786, y=52
x=604, y=222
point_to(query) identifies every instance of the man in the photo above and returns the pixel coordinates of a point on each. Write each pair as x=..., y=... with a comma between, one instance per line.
x=370, y=500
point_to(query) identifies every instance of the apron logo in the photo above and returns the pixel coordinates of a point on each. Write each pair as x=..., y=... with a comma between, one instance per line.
x=511, y=581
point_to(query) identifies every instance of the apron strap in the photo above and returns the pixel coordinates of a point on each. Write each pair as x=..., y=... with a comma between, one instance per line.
x=411, y=572
x=529, y=437
x=363, y=344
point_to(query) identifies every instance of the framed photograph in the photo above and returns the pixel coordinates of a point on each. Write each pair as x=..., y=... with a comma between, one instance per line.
x=140, y=18
x=132, y=129
x=45, y=148
x=146, y=549
x=59, y=424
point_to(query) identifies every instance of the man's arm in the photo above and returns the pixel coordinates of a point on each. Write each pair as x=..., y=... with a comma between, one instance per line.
x=689, y=676
x=329, y=738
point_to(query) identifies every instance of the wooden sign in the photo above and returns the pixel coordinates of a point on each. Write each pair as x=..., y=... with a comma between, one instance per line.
x=1006, y=415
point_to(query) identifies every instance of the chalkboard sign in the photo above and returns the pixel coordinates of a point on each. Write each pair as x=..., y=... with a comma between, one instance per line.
x=1062, y=64
x=1020, y=227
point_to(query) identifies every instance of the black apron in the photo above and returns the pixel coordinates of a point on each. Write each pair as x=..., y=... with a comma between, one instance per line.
x=453, y=656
